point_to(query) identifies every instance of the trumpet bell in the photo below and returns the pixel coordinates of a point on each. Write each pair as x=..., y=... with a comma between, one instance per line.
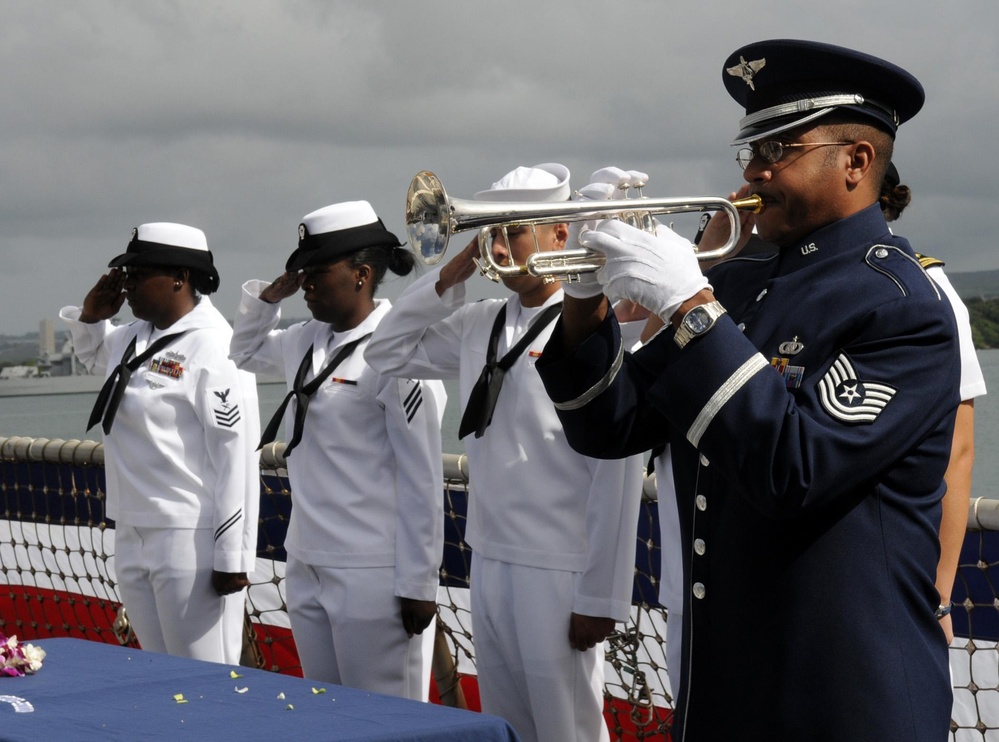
x=427, y=225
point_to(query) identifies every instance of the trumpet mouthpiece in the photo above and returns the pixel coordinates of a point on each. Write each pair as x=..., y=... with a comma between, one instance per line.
x=752, y=203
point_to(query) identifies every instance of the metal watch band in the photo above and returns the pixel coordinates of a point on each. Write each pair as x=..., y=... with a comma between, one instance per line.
x=684, y=334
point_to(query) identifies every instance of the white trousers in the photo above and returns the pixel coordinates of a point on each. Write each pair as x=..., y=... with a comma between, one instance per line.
x=165, y=583
x=528, y=673
x=347, y=625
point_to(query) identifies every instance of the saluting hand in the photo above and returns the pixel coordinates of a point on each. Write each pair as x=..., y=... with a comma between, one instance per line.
x=417, y=615
x=105, y=299
x=282, y=287
x=459, y=269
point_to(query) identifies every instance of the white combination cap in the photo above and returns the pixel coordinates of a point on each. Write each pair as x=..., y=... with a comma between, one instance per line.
x=169, y=245
x=169, y=233
x=545, y=182
x=335, y=217
x=329, y=233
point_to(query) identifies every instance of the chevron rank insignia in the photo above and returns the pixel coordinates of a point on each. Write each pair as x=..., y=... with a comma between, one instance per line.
x=850, y=400
x=225, y=413
x=411, y=394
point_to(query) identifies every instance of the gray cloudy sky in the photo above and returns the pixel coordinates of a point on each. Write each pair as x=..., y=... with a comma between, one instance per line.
x=240, y=117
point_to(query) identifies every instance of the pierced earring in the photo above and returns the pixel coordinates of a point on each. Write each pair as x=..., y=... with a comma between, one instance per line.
x=360, y=285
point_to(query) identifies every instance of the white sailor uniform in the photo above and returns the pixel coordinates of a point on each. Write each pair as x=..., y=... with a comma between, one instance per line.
x=182, y=480
x=972, y=380
x=367, y=519
x=670, y=591
x=552, y=532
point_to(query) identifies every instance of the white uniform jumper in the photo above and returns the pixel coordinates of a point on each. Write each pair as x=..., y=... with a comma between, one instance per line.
x=367, y=519
x=972, y=380
x=552, y=532
x=183, y=480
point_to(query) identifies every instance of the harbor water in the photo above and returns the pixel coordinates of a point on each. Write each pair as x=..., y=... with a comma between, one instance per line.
x=65, y=416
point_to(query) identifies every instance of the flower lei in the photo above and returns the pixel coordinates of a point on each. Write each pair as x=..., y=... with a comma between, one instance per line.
x=19, y=659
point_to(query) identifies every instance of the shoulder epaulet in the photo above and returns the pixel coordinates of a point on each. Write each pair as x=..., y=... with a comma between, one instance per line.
x=929, y=262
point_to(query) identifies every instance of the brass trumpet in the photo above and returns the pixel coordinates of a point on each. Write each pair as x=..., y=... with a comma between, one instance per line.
x=432, y=217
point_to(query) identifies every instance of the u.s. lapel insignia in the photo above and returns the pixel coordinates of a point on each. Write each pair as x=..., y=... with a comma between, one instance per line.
x=850, y=400
x=791, y=347
x=747, y=70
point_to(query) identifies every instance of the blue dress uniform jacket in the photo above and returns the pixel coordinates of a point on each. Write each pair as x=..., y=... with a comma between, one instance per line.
x=810, y=430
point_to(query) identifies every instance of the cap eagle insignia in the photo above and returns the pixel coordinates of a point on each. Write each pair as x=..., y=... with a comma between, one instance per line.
x=747, y=70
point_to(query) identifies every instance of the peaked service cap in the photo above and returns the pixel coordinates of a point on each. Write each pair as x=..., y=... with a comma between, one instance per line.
x=785, y=83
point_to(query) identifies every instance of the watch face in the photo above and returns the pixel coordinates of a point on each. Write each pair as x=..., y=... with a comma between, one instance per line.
x=697, y=320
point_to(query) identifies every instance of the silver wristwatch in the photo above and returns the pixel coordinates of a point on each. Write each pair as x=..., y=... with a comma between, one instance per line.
x=698, y=321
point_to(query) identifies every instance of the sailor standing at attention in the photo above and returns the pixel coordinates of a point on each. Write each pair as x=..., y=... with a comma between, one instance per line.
x=552, y=532
x=180, y=426
x=366, y=535
x=808, y=399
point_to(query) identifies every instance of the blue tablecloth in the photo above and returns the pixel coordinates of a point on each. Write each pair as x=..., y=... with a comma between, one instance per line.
x=91, y=691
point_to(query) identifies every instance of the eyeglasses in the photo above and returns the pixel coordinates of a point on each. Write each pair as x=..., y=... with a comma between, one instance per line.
x=771, y=151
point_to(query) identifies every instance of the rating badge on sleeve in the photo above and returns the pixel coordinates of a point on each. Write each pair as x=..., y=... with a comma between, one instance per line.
x=225, y=413
x=850, y=400
x=411, y=396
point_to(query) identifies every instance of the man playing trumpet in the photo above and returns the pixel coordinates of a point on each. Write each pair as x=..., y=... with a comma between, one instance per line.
x=552, y=531
x=808, y=399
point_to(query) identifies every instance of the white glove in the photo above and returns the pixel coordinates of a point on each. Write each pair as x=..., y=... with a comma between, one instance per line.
x=637, y=179
x=615, y=176
x=658, y=272
x=607, y=183
x=587, y=286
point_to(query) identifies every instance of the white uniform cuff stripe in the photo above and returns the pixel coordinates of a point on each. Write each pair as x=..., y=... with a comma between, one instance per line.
x=722, y=395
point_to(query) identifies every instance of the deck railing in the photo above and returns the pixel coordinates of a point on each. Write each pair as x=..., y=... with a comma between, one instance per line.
x=57, y=579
